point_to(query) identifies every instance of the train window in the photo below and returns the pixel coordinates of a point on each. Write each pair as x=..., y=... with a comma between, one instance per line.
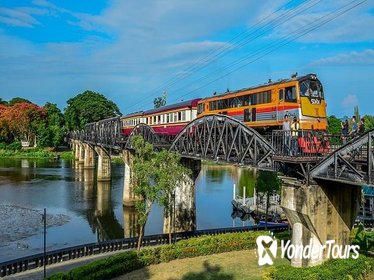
x=159, y=119
x=281, y=95
x=291, y=94
x=200, y=108
x=247, y=100
x=183, y=115
x=213, y=105
x=254, y=98
x=179, y=116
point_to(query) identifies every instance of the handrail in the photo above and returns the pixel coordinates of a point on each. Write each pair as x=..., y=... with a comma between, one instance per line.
x=74, y=252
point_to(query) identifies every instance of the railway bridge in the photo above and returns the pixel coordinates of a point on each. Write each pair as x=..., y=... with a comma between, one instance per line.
x=321, y=190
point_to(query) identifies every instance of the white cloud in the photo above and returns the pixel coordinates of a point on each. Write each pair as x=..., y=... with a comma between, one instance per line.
x=352, y=26
x=356, y=57
x=349, y=101
x=22, y=16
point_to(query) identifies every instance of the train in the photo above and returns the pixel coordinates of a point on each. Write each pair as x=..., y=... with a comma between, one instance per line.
x=261, y=107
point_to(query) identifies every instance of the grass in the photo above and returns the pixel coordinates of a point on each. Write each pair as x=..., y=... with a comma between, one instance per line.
x=32, y=153
x=231, y=265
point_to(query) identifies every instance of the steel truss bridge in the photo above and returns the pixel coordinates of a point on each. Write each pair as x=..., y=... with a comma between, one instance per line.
x=223, y=139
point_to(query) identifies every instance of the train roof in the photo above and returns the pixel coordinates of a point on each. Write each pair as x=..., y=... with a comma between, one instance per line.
x=134, y=114
x=281, y=81
x=188, y=103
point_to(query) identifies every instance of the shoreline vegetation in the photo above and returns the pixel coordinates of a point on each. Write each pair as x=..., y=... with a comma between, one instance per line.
x=37, y=153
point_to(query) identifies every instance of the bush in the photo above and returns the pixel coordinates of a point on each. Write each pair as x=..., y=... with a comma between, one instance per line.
x=68, y=155
x=333, y=269
x=131, y=260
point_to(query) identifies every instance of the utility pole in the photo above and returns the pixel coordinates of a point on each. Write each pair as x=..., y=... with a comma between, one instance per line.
x=45, y=241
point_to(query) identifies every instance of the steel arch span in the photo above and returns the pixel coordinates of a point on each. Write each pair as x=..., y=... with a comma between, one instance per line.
x=146, y=132
x=222, y=138
x=352, y=163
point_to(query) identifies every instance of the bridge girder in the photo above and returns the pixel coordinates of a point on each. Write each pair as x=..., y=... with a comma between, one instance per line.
x=222, y=138
x=352, y=163
x=146, y=132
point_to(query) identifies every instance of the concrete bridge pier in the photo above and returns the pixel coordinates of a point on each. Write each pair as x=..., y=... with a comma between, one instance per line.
x=76, y=149
x=103, y=164
x=89, y=156
x=319, y=213
x=184, y=216
x=81, y=152
x=129, y=197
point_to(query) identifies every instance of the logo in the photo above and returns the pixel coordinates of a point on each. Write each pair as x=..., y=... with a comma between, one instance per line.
x=263, y=255
x=267, y=247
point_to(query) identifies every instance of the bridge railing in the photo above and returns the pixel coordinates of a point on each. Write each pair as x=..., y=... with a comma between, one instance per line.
x=304, y=143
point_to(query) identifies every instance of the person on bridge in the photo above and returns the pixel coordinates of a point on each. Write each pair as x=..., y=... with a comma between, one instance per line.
x=287, y=135
x=294, y=137
x=354, y=129
x=345, y=128
x=361, y=126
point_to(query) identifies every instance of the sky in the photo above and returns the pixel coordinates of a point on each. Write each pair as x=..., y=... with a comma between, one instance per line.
x=131, y=51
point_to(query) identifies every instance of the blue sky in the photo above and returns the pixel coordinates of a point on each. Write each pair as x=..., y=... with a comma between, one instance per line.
x=131, y=51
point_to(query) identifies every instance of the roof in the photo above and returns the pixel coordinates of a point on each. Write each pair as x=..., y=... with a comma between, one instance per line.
x=281, y=81
x=188, y=103
x=135, y=114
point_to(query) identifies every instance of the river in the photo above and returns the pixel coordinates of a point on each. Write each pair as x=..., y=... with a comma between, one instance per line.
x=81, y=210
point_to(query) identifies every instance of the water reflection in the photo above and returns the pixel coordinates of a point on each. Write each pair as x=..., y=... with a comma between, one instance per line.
x=95, y=208
x=100, y=214
x=131, y=227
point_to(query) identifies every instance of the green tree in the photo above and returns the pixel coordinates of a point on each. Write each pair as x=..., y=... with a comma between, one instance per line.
x=16, y=100
x=51, y=133
x=3, y=102
x=155, y=176
x=267, y=183
x=160, y=101
x=356, y=113
x=88, y=107
x=143, y=180
x=169, y=173
x=369, y=122
x=334, y=125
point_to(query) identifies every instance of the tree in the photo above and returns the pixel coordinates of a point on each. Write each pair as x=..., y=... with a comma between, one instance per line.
x=143, y=175
x=356, y=113
x=369, y=122
x=88, y=107
x=3, y=102
x=5, y=134
x=160, y=101
x=16, y=100
x=155, y=176
x=24, y=120
x=268, y=183
x=51, y=133
x=169, y=173
x=334, y=125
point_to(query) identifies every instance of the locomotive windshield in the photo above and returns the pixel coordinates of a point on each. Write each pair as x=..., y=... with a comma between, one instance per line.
x=311, y=88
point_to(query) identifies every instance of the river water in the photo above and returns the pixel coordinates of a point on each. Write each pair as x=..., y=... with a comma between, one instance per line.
x=81, y=210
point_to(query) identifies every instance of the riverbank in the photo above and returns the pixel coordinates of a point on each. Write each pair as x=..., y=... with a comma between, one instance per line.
x=35, y=154
x=47, y=154
x=18, y=223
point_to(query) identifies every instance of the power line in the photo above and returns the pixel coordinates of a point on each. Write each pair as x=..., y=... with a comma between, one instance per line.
x=220, y=51
x=282, y=42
